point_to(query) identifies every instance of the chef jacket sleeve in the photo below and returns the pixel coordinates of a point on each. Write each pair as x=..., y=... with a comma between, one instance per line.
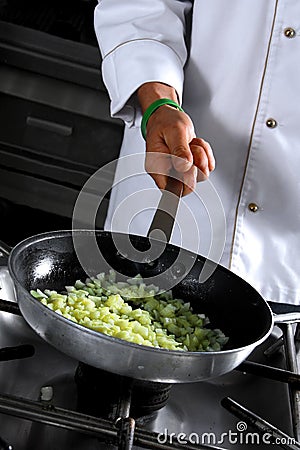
x=140, y=41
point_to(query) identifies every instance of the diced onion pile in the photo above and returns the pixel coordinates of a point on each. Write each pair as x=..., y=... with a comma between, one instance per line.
x=134, y=312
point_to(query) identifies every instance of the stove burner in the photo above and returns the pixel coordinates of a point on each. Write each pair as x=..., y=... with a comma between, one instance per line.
x=99, y=393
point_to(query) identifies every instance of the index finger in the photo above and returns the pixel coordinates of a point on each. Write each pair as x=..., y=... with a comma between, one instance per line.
x=203, y=145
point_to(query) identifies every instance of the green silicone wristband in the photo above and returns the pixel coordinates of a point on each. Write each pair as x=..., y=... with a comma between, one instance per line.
x=153, y=107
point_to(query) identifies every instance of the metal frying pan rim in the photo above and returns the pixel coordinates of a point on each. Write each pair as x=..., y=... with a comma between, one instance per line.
x=63, y=233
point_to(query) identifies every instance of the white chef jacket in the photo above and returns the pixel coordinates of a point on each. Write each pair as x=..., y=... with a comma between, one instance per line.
x=236, y=68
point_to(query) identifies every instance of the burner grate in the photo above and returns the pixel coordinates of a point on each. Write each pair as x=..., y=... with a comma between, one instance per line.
x=16, y=352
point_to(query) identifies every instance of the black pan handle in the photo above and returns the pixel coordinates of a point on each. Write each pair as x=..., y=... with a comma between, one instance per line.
x=10, y=307
x=5, y=249
x=163, y=221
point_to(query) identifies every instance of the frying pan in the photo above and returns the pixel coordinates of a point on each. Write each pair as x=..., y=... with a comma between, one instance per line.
x=50, y=261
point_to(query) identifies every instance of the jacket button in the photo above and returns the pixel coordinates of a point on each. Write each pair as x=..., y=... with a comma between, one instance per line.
x=253, y=207
x=271, y=123
x=289, y=32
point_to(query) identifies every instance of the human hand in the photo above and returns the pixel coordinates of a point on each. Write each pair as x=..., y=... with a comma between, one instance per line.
x=170, y=132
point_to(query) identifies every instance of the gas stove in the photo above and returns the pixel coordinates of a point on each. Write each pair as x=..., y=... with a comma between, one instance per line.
x=42, y=406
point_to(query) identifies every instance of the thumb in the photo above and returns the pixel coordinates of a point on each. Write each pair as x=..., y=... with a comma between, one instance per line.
x=181, y=155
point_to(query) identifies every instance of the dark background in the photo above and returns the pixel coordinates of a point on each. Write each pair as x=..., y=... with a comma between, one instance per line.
x=55, y=124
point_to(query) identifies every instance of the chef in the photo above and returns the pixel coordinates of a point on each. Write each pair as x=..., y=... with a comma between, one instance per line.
x=216, y=84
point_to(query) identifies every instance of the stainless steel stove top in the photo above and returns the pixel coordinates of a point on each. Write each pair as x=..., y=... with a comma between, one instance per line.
x=194, y=410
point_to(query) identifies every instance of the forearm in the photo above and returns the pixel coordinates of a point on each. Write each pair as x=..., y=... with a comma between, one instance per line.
x=137, y=47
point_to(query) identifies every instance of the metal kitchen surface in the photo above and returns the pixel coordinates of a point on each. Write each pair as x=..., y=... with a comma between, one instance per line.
x=193, y=412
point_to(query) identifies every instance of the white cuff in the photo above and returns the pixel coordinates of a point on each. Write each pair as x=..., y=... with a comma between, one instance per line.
x=134, y=63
